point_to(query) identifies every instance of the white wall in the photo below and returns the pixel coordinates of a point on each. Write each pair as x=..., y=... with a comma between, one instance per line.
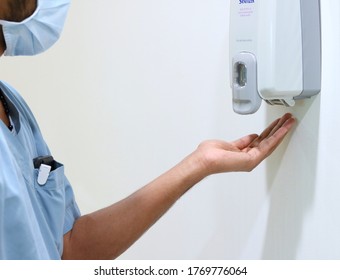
x=134, y=86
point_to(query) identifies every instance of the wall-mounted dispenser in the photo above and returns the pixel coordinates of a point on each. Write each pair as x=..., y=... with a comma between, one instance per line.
x=275, y=52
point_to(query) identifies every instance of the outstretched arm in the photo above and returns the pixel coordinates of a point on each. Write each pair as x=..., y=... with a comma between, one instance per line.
x=107, y=233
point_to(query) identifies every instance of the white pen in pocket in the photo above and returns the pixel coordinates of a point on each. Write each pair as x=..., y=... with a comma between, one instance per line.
x=44, y=172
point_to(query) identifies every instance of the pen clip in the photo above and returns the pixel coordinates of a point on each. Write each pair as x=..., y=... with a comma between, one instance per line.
x=44, y=172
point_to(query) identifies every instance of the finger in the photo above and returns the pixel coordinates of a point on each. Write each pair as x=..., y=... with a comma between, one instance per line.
x=281, y=122
x=275, y=126
x=245, y=141
x=271, y=129
x=283, y=130
x=268, y=145
x=264, y=134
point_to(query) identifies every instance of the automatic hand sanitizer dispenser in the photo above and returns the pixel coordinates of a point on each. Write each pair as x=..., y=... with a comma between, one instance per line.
x=275, y=52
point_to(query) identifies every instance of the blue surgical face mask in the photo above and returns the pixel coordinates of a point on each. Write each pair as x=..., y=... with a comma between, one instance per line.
x=38, y=32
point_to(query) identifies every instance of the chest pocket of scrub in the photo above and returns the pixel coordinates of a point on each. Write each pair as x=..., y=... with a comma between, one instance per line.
x=51, y=198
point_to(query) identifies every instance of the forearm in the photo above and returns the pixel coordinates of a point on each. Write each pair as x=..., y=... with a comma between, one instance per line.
x=107, y=233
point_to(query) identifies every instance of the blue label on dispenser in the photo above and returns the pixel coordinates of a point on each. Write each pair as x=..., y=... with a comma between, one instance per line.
x=246, y=1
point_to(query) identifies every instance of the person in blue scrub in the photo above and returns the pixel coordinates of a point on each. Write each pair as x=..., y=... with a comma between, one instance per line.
x=39, y=218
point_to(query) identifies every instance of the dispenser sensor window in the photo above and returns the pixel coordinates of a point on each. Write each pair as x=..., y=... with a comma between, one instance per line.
x=241, y=74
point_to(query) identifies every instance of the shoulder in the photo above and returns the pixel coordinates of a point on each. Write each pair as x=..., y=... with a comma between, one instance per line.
x=12, y=94
x=18, y=102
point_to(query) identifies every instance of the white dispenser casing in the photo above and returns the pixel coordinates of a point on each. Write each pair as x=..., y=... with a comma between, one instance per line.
x=275, y=52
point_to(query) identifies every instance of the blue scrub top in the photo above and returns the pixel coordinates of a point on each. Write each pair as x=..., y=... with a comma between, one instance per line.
x=33, y=218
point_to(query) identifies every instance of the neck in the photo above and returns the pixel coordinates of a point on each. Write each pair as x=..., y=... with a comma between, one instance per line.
x=2, y=42
x=3, y=115
x=4, y=111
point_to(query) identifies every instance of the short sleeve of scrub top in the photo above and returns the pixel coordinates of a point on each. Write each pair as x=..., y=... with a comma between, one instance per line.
x=33, y=217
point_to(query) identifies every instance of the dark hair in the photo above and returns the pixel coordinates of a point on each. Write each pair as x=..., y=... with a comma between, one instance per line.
x=18, y=10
